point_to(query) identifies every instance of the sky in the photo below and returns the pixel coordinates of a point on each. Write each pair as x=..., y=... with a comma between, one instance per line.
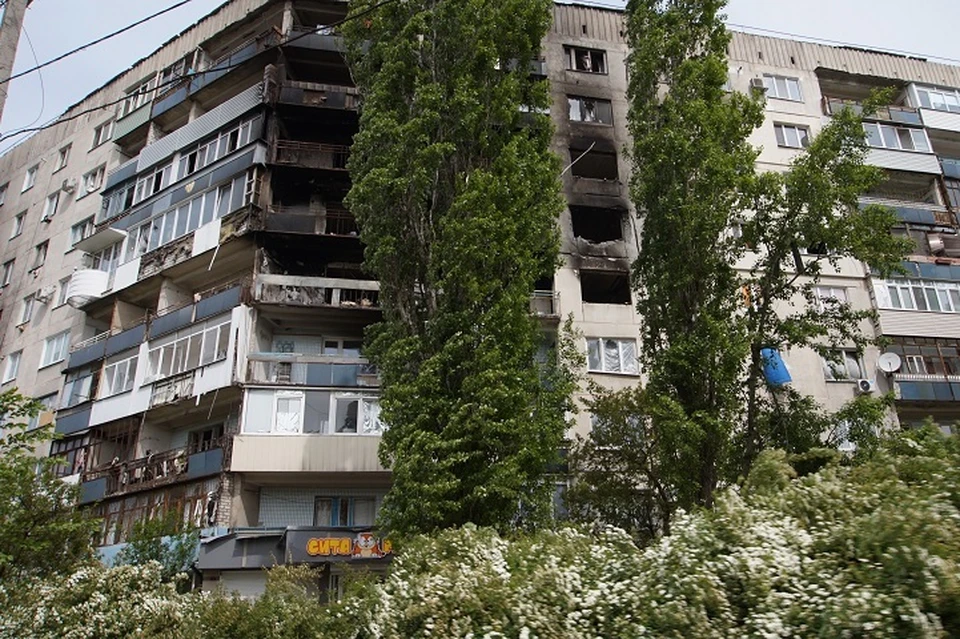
x=56, y=26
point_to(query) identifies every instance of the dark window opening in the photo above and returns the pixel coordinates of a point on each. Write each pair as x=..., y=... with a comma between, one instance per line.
x=588, y=60
x=596, y=165
x=596, y=224
x=590, y=110
x=604, y=287
x=953, y=191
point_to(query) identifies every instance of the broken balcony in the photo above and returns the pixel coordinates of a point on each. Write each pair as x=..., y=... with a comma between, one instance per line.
x=598, y=231
x=157, y=469
x=331, y=292
x=298, y=369
x=311, y=219
x=314, y=94
x=594, y=171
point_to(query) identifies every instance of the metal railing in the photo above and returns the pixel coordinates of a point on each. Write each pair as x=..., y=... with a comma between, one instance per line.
x=313, y=155
x=900, y=114
x=334, y=221
x=316, y=291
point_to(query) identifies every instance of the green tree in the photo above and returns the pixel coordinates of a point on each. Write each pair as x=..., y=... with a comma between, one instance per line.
x=457, y=195
x=711, y=300
x=41, y=531
x=167, y=540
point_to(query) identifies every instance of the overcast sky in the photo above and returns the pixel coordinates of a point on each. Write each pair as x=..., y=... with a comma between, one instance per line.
x=55, y=26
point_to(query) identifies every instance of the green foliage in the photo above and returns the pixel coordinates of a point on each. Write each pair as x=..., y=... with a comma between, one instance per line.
x=41, y=532
x=457, y=195
x=166, y=540
x=711, y=302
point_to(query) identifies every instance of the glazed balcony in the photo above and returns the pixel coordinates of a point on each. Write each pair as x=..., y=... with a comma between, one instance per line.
x=296, y=369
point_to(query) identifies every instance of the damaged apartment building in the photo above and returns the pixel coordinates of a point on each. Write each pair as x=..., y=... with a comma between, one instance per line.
x=182, y=284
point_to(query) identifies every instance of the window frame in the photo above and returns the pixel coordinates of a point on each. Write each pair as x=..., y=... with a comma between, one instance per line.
x=943, y=92
x=30, y=178
x=773, y=90
x=11, y=366
x=91, y=181
x=18, y=223
x=50, y=206
x=7, y=275
x=572, y=52
x=63, y=284
x=819, y=296
x=621, y=342
x=829, y=366
x=63, y=158
x=50, y=357
x=337, y=508
x=801, y=132
x=3, y=192
x=885, y=134
x=102, y=133
x=581, y=110
x=109, y=378
x=26, y=310
x=40, y=252
x=82, y=230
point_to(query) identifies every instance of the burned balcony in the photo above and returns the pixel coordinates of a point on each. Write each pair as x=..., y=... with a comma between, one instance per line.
x=598, y=231
x=292, y=290
x=311, y=155
x=311, y=219
x=594, y=171
x=314, y=94
x=156, y=469
x=605, y=287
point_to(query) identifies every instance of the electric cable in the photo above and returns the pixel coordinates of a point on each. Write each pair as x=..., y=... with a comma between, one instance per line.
x=43, y=93
x=79, y=114
x=95, y=42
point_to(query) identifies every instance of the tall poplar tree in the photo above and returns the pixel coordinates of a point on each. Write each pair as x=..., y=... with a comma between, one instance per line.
x=457, y=195
x=713, y=300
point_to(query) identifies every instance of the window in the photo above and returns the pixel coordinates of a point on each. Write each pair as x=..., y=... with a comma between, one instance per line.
x=594, y=164
x=826, y=293
x=55, y=349
x=605, y=355
x=3, y=193
x=597, y=225
x=226, y=142
x=588, y=60
x=81, y=231
x=939, y=99
x=794, y=137
x=62, y=158
x=107, y=259
x=782, y=88
x=45, y=416
x=7, y=272
x=39, y=255
x=953, y=191
x=102, y=134
x=62, y=291
x=30, y=178
x=11, y=366
x=318, y=412
x=604, y=287
x=927, y=356
x=78, y=387
x=119, y=201
x=153, y=183
x=18, y=224
x=918, y=295
x=91, y=181
x=590, y=110
x=137, y=97
x=118, y=376
x=205, y=439
x=842, y=366
x=885, y=136
x=50, y=208
x=344, y=511
x=26, y=311
x=71, y=455
x=198, y=347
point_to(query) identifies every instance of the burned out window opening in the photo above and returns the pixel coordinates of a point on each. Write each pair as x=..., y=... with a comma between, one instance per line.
x=597, y=225
x=594, y=164
x=605, y=287
x=592, y=110
x=586, y=60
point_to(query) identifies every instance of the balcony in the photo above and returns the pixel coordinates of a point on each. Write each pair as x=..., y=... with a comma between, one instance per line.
x=951, y=167
x=87, y=285
x=302, y=220
x=306, y=454
x=311, y=155
x=898, y=114
x=941, y=120
x=926, y=388
x=313, y=94
x=915, y=212
x=152, y=471
x=545, y=304
x=172, y=390
x=311, y=370
x=291, y=290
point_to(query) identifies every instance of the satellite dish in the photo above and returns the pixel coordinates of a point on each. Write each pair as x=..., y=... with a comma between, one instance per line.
x=889, y=363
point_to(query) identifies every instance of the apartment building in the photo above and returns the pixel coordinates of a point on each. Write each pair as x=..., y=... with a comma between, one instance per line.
x=182, y=286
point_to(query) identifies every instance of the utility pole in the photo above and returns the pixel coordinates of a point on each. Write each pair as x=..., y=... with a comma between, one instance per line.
x=9, y=39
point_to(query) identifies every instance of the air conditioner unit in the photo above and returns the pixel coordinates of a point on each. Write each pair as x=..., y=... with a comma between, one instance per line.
x=69, y=185
x=935, y=241
x=45, y=293
x=757, y=83
x=866, y=386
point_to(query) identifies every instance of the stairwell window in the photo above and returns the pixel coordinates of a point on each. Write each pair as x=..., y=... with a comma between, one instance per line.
x=55, y=349
x=792, y=136
x=607, y=355
x=782, y=87
x=841, y=365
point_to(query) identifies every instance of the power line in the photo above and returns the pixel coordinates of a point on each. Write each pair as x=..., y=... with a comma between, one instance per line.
x=97, y=41
x=43, y=92
x=186, y=76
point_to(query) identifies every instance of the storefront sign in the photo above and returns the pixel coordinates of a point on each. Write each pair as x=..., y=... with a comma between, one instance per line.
x=362, y=546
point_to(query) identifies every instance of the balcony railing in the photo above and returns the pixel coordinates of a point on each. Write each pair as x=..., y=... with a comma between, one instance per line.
x=545, y=304
x=156, y=469
x=900, y=114
x=914, y=212
x=317, y=291
x=172, y=390
x=313, y=155
x=313, y=94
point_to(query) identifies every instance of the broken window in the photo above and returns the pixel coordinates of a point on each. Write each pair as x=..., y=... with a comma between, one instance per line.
x=588, y=60
x=596, y=224
x=597, y=165
x=590, y=110
x=605, y=287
